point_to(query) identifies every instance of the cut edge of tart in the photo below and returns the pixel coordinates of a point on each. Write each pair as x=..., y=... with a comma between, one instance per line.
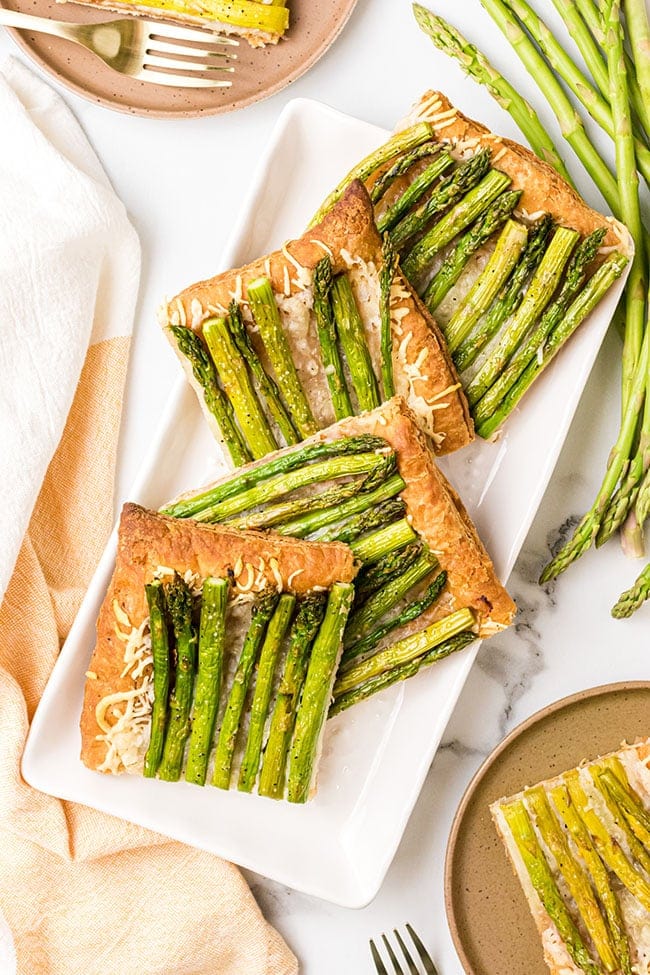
x=579, y=844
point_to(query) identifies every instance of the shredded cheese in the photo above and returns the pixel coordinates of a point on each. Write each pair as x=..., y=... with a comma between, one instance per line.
x=293, y=576
x=320, y=243
x=439, y=126
x=126, y=730
x=196, y=309
x=303, y=273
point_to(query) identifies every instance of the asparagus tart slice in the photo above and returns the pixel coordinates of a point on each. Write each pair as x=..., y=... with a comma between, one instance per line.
x=217, y=652
x=580, y=846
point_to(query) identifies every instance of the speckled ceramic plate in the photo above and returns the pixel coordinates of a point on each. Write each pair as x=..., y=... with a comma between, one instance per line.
x=490, y=923
x=259, y=72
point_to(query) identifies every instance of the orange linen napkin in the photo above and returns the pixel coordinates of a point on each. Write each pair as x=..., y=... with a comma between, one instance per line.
x=83, y=893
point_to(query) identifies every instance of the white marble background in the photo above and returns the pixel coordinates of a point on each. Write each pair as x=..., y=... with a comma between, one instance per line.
x=181, y=182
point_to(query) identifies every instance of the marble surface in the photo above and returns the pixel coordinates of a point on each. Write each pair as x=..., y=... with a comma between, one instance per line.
x=180, y=182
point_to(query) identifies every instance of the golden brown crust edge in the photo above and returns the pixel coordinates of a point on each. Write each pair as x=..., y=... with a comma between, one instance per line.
x=146, y=541
x=437, y=396
x=437, y=514
x=543, y=189
x=457, y=425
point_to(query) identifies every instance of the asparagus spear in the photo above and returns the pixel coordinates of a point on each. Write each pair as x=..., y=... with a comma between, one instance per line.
x=476, y=65
x=596, y=104
x=400, y=143
x=239, y=388
x=570, y=122
x=263, y=610
x=454, y=222
x=309, y=617
x=598, y=871
x=584, y=22
x=267, y=318
x=496, y=272
x=363, y=620
x=308, y=525
x=628, y=190
x=623, y=795
x=510, y=297
x=608, y=848
x=453, y=188
x=598, y=284
x=352, y=337
x=268, y=661
x=407, y=615
x=212, y=637
x=389, y=266
x=281, y=464
x=401, y=166
x=281, y=484
x=576, y=878
x=636, y=15
x=326, y=328
x=622, y=504
x=477, y=235
x=555, y=312
x=267, y=386
x=542, y=880
x=629, y=601
x=359, y=524
x=375, y=575
x=219, y=405
x=587, y=528
x=180, y=605
x=317, y=691
x=413, y=193
x=642, y=506
x=636, y=847
x=161, y=668
x=374, y=546
x=401, y=672
x=539, y=292
x=277, y=514
x=404, y=651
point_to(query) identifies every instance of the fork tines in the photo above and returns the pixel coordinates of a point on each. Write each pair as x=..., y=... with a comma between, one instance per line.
x=412, y=969
x=201, y=56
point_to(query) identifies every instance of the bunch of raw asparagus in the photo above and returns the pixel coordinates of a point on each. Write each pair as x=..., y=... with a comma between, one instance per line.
x=579, y=863
x=539, y=284
x=297, y=641
x=347, y=490
x=613, y=39
x=257, y=414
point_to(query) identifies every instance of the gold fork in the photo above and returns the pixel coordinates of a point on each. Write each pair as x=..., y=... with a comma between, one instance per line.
x=140, y=48
x=413, y=968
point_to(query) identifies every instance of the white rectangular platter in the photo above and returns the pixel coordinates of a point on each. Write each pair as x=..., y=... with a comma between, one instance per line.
x=376, y=755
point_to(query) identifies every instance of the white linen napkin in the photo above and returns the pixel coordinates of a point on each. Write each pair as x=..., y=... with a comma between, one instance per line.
x=69, y=272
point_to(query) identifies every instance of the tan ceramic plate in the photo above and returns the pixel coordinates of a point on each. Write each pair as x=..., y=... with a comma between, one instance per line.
x=259, y=72
x=492, y=929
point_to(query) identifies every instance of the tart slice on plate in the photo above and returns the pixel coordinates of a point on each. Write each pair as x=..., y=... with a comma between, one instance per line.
x=204, y=633
x=322, y=329
x=580, y=846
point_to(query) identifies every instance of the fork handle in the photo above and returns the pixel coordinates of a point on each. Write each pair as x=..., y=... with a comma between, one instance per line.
x=57, y=28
